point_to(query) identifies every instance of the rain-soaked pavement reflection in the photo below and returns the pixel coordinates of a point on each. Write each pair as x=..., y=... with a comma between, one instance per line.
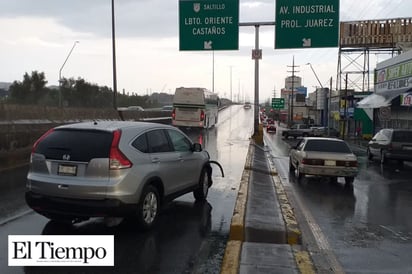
x=367, y=225
x=188, y=238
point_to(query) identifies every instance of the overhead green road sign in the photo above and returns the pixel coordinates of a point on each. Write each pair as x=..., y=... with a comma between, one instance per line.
x=209, y=24
x=307, y=24
x=278, y=103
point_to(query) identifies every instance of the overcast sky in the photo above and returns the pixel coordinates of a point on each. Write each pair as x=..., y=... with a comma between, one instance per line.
x=38, y=35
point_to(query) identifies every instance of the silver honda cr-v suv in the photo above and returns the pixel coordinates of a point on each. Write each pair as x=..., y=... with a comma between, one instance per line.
x=114, y=168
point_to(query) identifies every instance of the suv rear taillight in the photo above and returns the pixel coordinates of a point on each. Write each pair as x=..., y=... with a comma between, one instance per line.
x=174, y=114
x=117, y=158
x=41, y=139
x=202, y=115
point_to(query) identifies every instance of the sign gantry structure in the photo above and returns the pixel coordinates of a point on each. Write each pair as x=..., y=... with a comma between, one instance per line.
x=359, y=39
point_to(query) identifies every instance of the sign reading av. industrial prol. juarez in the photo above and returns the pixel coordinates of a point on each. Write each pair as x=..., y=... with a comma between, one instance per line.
x=209, y=24
x=307, y=24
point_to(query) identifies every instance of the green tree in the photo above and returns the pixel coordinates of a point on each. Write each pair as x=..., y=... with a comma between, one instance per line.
x=31, y=90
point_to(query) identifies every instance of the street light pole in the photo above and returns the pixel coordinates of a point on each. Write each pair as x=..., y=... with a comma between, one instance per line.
x=60, y=72
x=317, y=78
x=316, y=92
x=231, y=84
x=114, y=59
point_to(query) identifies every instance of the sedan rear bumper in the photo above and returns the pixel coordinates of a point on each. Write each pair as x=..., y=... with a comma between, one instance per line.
x=329, y=170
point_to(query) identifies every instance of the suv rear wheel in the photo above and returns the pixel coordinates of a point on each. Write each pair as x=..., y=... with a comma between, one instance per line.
x=148, y=207
x=200, y=193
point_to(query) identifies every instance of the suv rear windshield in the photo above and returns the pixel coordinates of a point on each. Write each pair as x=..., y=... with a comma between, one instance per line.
x=402, y=136
x=327, y=146
x=80, y=145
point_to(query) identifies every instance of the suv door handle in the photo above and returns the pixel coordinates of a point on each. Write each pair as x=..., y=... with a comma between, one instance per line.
x=155, y=160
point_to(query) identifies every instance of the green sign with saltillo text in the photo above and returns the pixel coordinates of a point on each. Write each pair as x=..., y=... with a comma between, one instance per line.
x=278, y=103
x=307, y=24
x=209, y=24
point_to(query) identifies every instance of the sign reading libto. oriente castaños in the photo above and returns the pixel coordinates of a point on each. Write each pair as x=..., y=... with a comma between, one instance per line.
x=307, y=24
x=209, y=24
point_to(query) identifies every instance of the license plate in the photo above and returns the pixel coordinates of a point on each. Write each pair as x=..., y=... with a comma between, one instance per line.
x=330, y=163
x=67, y=170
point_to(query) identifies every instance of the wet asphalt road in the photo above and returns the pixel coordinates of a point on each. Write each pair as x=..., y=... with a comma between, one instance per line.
x=189, y=237
x=364, y=228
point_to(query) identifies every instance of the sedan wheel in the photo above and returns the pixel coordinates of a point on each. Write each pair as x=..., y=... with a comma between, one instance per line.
x=291, y=167
x=148, y=207
x=299, y=175
x=383, y=157
x=349, y=180
x=369, y=154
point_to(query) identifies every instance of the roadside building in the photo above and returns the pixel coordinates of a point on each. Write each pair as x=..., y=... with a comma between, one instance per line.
x=389, y=106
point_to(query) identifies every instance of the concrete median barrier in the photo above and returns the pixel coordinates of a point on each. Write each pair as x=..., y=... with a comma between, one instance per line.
x=264, y=233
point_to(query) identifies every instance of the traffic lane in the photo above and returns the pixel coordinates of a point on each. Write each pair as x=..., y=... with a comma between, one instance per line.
x=12, y=189
x=171, y=246
x=228, y=143
x=276, y=143
x=368, y=225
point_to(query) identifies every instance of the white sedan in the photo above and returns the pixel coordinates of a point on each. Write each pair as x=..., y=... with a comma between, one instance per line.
x=330, y=157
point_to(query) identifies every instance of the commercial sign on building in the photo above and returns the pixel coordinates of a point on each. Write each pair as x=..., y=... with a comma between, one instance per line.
x=394, y=75
x=209, y=24
x=307, y=24
x=406, y=99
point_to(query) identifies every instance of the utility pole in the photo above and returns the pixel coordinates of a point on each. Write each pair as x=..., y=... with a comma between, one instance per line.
x=256, y=104
x=329, y=104
x=114, y=58
x=293, y=87
x=213, y=71
x=346, y=107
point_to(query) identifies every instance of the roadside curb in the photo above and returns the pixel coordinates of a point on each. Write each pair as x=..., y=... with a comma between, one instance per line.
x=294, y=235
x=231, y=259
x=238, y=219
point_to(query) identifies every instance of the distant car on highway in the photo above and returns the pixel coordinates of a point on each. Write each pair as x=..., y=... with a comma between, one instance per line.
x=319, y=156
x=114, y=169
x=297, y=130
x=247, y=105
x=319, y=131
x=271, y=128
x=391, y=144
x=138, y=108
x=167, y=108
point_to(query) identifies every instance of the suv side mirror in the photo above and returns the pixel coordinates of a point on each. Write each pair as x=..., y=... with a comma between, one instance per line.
x=197, y=147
